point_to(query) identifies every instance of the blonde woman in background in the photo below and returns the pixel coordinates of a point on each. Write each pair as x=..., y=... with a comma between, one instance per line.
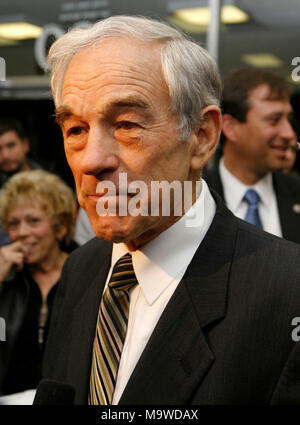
x=37, y=209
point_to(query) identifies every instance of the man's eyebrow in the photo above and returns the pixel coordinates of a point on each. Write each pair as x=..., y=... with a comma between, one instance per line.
x=128, y=102
x=289, y=115
x=62, y=113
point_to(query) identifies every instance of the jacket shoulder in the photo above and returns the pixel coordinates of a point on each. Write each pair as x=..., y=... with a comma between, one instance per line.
x=213, y=179
x=289, y=181
x=89, y=254
x=211, y=174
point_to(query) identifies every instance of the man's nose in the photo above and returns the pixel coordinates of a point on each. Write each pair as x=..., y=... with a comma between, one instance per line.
x=5, y=153
x=286, y=130
x=99, y=154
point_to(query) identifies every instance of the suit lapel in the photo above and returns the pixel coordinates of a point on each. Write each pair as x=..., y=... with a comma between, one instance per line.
x=83, y=330
x=168, y=369
x=177, y=356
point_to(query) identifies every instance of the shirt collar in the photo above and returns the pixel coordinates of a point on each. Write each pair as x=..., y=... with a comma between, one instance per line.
x=234, y=189
x=162, y=260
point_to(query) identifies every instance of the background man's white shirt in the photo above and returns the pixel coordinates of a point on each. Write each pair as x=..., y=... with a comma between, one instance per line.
x=234, y=191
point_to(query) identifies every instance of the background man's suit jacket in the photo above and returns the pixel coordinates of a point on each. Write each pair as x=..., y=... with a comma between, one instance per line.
x=224, y=337
x=287, y=189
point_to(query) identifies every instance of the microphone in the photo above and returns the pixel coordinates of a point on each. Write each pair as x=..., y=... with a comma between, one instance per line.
x=50, y=392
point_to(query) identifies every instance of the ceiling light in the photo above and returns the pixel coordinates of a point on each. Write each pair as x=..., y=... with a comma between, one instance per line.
x=19, y=30
x=7, y=42
x=201, y=15
x=262, y=60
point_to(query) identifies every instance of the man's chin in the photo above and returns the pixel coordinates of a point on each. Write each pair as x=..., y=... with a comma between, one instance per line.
x=133, y=231
x=113, y=237
x=112, y=229
x=10, y=170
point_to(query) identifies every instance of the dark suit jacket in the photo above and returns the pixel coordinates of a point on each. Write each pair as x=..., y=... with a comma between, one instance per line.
x=287, y=189
x=223, y=338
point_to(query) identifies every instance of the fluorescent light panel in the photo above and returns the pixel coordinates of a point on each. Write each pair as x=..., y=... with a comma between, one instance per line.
x=262, y=60
x=201, y=15
x=7, y=42
x=19, y=30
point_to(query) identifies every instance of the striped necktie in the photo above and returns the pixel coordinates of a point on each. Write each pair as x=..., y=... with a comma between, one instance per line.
x=111, y=332
x=252, y=214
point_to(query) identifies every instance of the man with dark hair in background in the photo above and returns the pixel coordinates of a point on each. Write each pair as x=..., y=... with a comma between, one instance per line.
x=256, y=135
x=14, y=147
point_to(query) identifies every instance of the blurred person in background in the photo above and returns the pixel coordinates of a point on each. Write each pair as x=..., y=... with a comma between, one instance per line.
x=37, y=209
x=256, y=134
x=83, y=228
x=14, y=147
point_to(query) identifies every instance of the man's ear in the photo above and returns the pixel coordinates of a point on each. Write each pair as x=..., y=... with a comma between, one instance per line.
x=26, y=145
x=229, y=128
x=206, y=136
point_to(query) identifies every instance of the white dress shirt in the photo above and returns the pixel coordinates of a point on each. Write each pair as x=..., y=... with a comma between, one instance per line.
x=159, y=267
x=234, y=191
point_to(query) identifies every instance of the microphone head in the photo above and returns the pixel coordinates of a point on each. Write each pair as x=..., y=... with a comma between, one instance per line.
x=50, y=392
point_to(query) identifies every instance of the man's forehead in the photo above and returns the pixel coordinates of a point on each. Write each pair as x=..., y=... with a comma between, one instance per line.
x=264, y=92
x=265, y=95
x=9, y=136
x=114, y=48
x=121, y=77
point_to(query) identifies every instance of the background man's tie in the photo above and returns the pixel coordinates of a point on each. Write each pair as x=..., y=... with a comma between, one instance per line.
x=252, y=214
x=111, y=331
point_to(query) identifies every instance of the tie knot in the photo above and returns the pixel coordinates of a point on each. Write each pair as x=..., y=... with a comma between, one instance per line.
x=123, y=276
x=252, y=197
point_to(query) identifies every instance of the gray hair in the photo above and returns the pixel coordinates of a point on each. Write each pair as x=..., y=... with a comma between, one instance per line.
x=190, y=72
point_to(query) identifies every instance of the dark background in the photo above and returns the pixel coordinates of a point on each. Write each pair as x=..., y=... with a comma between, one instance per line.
x=46, y=142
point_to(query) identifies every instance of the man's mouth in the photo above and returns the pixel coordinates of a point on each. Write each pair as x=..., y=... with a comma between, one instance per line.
x=279, y=148
x=107, y=194
x=9, y=165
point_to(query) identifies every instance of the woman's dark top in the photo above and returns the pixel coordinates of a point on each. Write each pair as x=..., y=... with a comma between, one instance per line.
x=26, y=322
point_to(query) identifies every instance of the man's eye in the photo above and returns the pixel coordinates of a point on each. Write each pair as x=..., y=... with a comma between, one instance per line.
x=75, y=131
x=274, y=120
x=126, y=125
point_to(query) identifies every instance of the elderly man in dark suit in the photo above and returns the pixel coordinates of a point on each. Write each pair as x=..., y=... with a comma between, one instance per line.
x=172, y=305
x=256, y=136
